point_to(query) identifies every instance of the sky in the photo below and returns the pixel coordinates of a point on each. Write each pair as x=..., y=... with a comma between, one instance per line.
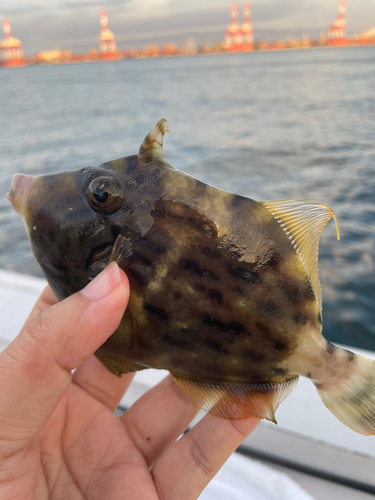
x=74, y=24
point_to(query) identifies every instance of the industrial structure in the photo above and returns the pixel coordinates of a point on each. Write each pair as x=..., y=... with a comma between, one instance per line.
x=106, y=38
x=239, y=38
x=337, y=30
x=11, y=53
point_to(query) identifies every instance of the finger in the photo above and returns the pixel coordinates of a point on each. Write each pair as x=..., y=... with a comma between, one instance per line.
x=186, y=468
x=35, y=369
x=46, y=299
x=158, y=418
x=96, y=380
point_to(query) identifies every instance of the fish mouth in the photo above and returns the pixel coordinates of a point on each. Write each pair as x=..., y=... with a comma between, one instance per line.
x=99, y=258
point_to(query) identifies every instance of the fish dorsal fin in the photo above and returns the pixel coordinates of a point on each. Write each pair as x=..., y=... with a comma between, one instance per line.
x=236, y=401
x=121, y=252
x=152, y=144
x=303, y=221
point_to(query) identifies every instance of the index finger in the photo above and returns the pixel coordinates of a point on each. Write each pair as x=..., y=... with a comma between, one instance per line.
x=187, y=466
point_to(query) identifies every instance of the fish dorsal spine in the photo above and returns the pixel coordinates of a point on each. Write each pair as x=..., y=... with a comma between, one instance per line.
x=303, y=221
x=152, y=144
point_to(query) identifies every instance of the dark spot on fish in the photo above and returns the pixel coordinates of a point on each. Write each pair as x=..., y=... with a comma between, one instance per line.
x=45, y=238
x=241, y=291
x=308, y=292
x=274, y=260
x=292, y=293
x=199, y=287
x=254, y=356
x=156, y=311
x=280, y=371
x=269, y=307
x=154, y=179
x=280, y=346
x=184, y=337
x=238, y=201
x=211, y=253
x=89, y=227
x=215, y=295
x=236, y=328
x=139, y=179
x=191, y=266
x=246, y=275
x=189, y=217
x=299, y=319
x=144, y=260
x=263, y=328
x=351, y=355
x=330, y=348
x=138, y=277
x=132, y=163
x=176, y=340
x=211, y=275
x=216, y=346
x=148, y=438
x=155, y=243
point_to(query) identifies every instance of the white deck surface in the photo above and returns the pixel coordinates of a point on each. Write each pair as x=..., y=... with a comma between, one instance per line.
x=306, y=433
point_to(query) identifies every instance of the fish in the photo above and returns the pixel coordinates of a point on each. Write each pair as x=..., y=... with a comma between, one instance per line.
x=225, y=290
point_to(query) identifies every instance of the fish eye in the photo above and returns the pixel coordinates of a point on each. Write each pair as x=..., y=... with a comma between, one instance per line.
x=100, y=195
x=105, y=194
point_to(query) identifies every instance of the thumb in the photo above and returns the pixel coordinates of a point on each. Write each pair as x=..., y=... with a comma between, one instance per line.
x=35, y=369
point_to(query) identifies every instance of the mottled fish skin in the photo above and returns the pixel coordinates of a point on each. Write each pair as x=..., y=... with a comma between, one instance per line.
x=218, y=293
x=225, y=291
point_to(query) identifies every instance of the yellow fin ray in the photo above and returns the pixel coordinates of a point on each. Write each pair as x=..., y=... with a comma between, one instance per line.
x=303, y=221
x=237, y=401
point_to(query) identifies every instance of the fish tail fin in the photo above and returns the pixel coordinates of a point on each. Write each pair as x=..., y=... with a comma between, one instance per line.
x=353, y=400
x=152, y=144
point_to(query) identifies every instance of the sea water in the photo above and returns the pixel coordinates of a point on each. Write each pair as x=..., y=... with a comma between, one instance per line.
x=267, y=125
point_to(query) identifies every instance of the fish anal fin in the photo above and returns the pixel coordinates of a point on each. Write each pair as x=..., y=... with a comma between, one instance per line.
x=122, y=252
x=117, y=365
x=237, y=401
x=303, y=221
x=152, y=144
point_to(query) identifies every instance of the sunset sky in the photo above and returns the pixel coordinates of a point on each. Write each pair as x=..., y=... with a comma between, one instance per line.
x=70, y=24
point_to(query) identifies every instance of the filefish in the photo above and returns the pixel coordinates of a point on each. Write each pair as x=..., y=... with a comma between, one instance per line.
x=225, y=291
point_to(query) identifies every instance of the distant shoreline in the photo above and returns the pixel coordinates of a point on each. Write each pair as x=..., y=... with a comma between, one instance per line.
x=57, y=57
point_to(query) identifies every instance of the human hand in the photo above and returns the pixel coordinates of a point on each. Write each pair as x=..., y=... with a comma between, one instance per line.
x=59, y=436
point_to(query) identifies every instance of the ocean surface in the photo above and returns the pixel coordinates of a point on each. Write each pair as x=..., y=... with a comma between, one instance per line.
x=267, y=125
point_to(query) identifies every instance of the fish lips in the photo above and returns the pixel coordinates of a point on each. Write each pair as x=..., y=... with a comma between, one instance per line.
x=20, y=185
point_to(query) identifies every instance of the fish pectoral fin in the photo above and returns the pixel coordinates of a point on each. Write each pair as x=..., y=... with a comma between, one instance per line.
x=122, y=252
x=303, y=221
x=118, y=366
x=152, y=144
x=237, y=401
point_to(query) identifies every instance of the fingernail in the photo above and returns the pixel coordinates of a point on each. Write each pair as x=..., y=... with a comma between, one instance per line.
x=104, y=283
